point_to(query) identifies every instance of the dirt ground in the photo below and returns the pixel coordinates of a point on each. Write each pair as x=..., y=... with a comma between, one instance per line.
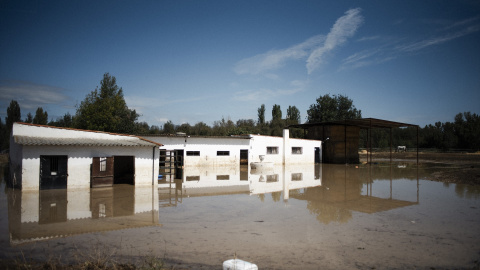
x=466, y=169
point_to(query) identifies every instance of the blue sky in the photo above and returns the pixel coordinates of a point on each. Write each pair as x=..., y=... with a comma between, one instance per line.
x=189, y=61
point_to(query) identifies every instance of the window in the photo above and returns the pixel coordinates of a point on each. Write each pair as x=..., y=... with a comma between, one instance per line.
x=223, y=177
x=103, y=164
x=297, y=176
x=193, y=153
x=223, y=153
x=193, y=178
x=297, y=150
x=102, y=210
x=272, y=150
x=272, y=178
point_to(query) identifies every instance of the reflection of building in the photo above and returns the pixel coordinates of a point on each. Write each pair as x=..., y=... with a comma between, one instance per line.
x=223, y=180
x=44, y=157
x=45, y=214
x=347, y=188
x=286, y=178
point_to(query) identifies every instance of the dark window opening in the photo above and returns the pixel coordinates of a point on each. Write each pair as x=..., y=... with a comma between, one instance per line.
x=297, y=150
x=223, y=153
x=297, y=176
x=271, y=150
x=103, y=164
x=193, y=153
x=193, y=178
x=223, y=177
x=272, y=178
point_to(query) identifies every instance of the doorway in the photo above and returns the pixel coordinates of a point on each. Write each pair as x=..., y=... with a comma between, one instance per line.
x=243, y=156
x=124, y=170
x=53, y=172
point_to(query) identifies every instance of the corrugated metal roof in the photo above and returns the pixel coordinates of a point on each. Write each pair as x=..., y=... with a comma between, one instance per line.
x=121, y=141
x=366, y=123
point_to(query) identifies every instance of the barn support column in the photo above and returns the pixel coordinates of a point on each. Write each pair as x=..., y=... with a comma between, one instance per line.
x=345, y=141
x=417, y=146
x=391, y=145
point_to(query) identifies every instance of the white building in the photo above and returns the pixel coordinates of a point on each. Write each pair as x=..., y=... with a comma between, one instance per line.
x=45, y=157
x=194, y=151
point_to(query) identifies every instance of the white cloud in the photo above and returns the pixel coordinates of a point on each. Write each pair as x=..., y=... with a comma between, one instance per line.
x=30, y=95
x=344, y=27
x=275, y=59
x=367, y=57
x=422, y=44
x=312, y=49
x=268, y=94
x=392, y=49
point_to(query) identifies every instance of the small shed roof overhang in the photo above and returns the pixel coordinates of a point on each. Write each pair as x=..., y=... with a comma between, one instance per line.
x=59, y=136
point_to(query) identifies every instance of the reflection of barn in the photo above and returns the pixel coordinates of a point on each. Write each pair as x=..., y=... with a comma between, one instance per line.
x=341, y=138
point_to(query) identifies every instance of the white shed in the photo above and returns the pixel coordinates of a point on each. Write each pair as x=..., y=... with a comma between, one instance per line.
x=191, y=151
x=45, y=157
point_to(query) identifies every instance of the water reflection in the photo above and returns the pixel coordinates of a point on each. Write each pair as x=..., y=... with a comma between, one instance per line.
x=332, y=192
x=209, y=181
x=37, y=215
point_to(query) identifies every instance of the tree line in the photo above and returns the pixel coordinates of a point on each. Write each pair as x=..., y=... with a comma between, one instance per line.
x=105, y=109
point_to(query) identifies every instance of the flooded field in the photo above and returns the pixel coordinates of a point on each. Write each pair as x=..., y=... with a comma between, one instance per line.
x=383, y=216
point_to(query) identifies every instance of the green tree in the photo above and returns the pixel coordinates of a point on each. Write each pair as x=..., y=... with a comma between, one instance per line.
x=201, y=129
x=13, y=115
x=332, y=108
x=142, y=128
x=467, y=130
x=4, y=137
x=261, y=114
x=65, y=121
x=293, y=115
x=105, y=109
x=224, y=128
x=185, y=128
x=154, y=129
x=246, y=126
x=41, y=117
x=168, y=128
x=29, y=118
x=276, y=113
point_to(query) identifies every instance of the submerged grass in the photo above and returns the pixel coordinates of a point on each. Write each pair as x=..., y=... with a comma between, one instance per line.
x=98, y=258
x=153, y=263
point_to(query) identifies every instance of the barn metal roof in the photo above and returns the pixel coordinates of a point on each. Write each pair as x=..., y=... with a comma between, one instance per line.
x=365, y=123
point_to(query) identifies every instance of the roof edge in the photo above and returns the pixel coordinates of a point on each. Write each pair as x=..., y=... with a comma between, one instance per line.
x=92, y=131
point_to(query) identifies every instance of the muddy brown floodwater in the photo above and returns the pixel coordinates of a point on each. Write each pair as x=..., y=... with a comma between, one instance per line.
x=379, y=216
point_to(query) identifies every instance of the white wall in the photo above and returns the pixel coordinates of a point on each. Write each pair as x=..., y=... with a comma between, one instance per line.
x=284, y=156
x=80, y=159
x=256, y=145
x=259, y=146
x=208, y=147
